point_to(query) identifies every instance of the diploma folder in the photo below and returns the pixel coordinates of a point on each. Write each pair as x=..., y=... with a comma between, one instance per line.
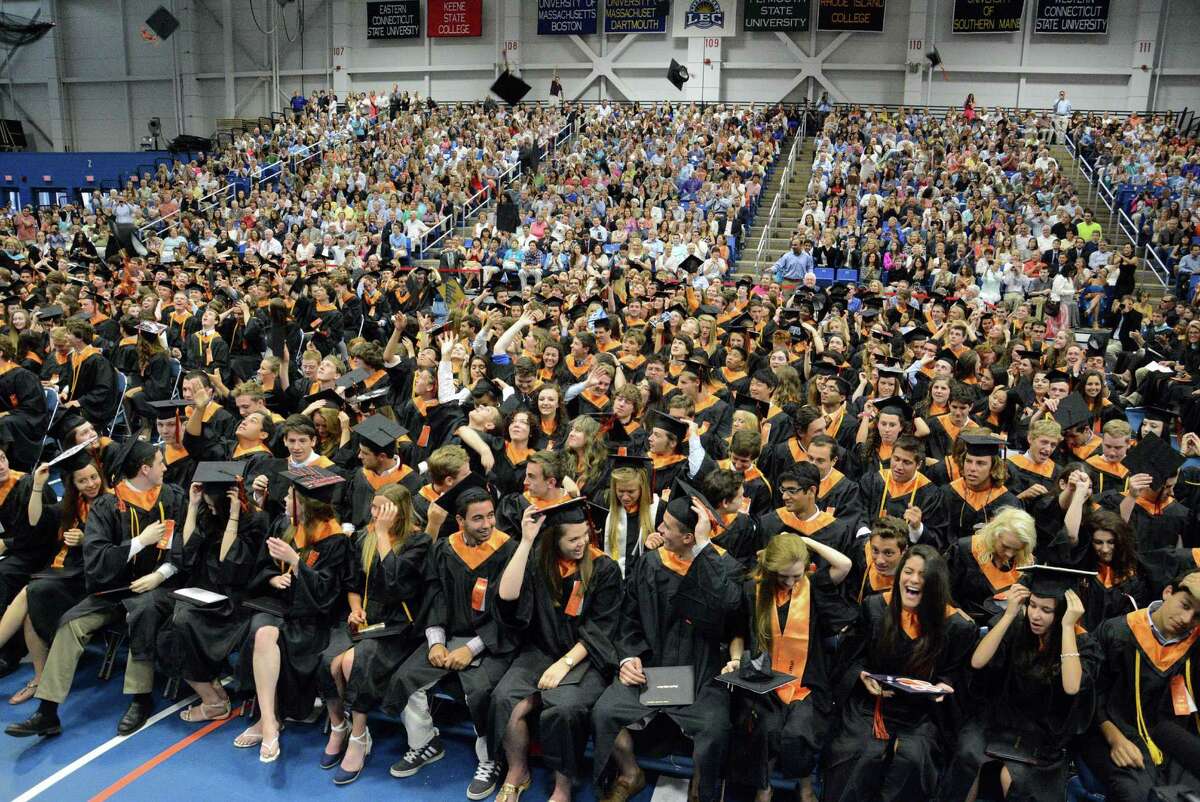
x=908, y=685
x=265, y=604
x=199, y=597
x=669, y=686
x=380, y=631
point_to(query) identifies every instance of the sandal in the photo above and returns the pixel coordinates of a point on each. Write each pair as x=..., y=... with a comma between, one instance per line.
x=25, y=694
x=206, y=712
x=248, y=739
x=268, y=752
x=328, y=761
x=510, y=792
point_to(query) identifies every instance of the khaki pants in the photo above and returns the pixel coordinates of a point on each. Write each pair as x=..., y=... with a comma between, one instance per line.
x=67, y=648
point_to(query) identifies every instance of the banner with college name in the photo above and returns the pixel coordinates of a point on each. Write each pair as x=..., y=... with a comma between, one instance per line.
x=775, y=15
x=850, y=15
x=704, y=18
x=567, y=17
x=1071, y=16
x=454, y=18
x=636, y=16
x=988, y=16
x=400, y=19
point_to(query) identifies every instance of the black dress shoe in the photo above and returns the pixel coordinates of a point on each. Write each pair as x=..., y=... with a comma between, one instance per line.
x=38, y=724
x=134, y=717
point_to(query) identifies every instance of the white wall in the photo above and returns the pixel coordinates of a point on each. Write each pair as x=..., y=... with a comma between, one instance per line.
x=106, y=82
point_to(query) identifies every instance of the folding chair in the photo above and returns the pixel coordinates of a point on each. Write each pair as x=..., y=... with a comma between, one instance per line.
x=119, y=413
x=51, y=406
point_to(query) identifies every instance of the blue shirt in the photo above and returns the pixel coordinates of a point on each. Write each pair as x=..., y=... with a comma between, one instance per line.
x=793, y=265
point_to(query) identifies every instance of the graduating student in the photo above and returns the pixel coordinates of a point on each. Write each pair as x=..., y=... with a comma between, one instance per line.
x=837, y=495
x=299, y=578
x=903, y=491
x=1146, y=679
x=223, y=536
x=129, y=550
x=1034, y=476
x=787, y=623
x=387, y=566
x=888, y=744
x=680, y=602
x=1158, y=521
x=59, y=586
x=667, y=437
x=873, y=566
x=563, y=596
x=798, y=486
x=169, y=427
x=1109, y=463
x=976, y=496
x=628, y=528
x=1032, y=686
x=984, y=565
x=544, y=477
x=24, y=416
x=91, y=386
x=377, y=444
x=734, y=530
x=300, y=438
x=464, y=639
x=744, y=451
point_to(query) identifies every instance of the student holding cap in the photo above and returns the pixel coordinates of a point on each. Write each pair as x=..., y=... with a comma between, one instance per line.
x=223, y=536
x=563, y=596
x=985, y=564
x=1158, y=521
x=1035, y=675
x=299, y=578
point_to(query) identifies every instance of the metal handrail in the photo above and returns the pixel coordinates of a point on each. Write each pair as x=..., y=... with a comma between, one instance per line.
x=777, y=205
x=1155, y=263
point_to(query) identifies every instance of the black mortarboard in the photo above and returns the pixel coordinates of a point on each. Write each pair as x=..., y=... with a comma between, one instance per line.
x=569, y=510
x=947, y=355
x=669, y=424
x=983, y=445
x=1072, y=411
x=448, y=501
x=219, y=475
x=699, y=367
x=1052, y=581
x=630, y=461
x=380, y=431
x=65, y=422
x=890, y=370
x=755, y=675
x=330, y=397
x=165, y=410
x=1057, y=376
x=69, y=454
x=751, y=404
x=510, y=88
x=916, y=333
x=683, y=490
x=131, y=451
x=50, y=312
x=895, y=405
x=1154, y=456
x=1096, y=345
x=707, y=309
x=354, y=377
x=369, y=399
x=1158, y=414
x=691, y=264
x=162, y=22
x=316, y=483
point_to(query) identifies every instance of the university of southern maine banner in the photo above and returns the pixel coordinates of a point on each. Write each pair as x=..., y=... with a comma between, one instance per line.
x=704, y=18
x=988, y=16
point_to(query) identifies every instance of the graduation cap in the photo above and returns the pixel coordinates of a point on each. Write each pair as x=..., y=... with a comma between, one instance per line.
x=668, y=423
x=314, y=482
x=1052, y=581
x=983, y=445
x=707, y=309
x=448, y=501
x=756, y=675
x=1096, y=345
x=65, y=422
x=218, y=476
x=510, y=88
x=751, y=404
x=1165, y=416
x=687, y=492
x=330, y=397
x=947, y=355
x=570, y=510
x=170, y=408
x=367, y=400
x=1072, y=411
x=634, y=461
x=151, y=328
x=895, y=405
x=1154, y=456
x=699, y=367
x=691, y=264
x=1058, y=376
x=886, y=369
x=71, y=452
x=50, y=312
x=131, y=451
x=356, y=376
x=380, y=432
x=916, y=333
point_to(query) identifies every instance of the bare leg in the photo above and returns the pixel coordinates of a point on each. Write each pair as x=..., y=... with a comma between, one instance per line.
x=1005, y=780
x=38, y=649
x=562, y=788
x=354, y=757
x=210, y=693
x=974, y=792
x=516, y=741
x=623, y=754
x=266, y=679
x=12, y=621
x=806, y=790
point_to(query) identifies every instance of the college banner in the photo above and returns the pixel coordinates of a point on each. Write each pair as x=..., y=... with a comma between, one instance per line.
x=449, y=18
x=705, y=18
x=850, y=15
x=775, y=15
x=395, y=20
x=567, y=16
x=636, y=16
x=1071, y=16
x=988, y=16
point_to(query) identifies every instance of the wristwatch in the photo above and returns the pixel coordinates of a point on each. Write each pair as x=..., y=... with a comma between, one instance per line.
x=570, y=663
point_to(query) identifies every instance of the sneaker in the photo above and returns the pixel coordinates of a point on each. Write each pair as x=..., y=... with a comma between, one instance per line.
x=416, y=759
x=487, y=776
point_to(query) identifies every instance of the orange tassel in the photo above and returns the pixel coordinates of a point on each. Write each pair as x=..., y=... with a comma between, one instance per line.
x=879, y=727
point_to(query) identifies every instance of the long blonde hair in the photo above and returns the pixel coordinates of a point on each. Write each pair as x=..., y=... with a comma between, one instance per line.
x=782, y=552
x=1019, y=523
x=595, y=454
x=616, y=512
x=402, y=527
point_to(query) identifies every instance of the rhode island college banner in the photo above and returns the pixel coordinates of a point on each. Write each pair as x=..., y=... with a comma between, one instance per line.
x=454, y=18
x=704, y=18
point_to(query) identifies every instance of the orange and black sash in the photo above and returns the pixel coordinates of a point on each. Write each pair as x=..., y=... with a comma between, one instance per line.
x=1044, y=470
x=475, y=556
x=789, y=646
x=793, y=523
x=999, y=580
x=977, y=500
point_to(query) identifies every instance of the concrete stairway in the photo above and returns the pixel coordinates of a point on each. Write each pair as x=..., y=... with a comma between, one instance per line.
x=785, y=224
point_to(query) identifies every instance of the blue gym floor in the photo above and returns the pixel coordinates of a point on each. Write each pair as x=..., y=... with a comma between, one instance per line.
x=169, y=758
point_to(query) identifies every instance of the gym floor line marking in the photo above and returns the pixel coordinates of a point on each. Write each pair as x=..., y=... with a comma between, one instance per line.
x=165, y=755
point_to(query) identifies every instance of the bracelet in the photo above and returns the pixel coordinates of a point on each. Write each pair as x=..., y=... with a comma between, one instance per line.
x=1065, y=655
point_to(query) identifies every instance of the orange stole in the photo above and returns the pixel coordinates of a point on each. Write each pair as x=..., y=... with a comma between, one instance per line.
x=999, y=580
x=789, y=647
x=475, y=556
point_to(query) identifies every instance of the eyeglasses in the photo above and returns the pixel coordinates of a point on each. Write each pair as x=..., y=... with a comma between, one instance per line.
x=789, y=491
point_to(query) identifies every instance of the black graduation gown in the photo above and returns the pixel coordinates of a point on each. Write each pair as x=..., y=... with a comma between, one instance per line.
x=316, y=597
x=777, y=458
x=841, y=496
x=180, y=467
x=56, y=588
x=198, y=640
x=26, y=548
x=791, y=733
x=510, y=472
x=1130, y=649
x=326, y=326
x=1023, y=474
x=93, y=384
x=107, y=536
x=157, y=383
x=974, y=584
x=208, y=354
x=673, y=619
x=548, y=628
x=27, y=417
x=429, y=425
x=461, y=586
x=1156, y=528
x=1022, y=709
x=362, y=488
x=392, y=592
x=963, y=517
x=858, y=763
x=824, y=528
x=926, y=496
x=741, y=538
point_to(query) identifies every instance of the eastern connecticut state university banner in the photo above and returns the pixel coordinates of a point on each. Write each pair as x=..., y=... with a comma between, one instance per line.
x=704, y=18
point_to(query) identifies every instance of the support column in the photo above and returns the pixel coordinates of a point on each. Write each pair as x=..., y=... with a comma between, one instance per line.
x=194, y=120
x=510, y=35
x=227, y=61
x=918, y=45
x=704, y=83
x=60, y=122
x=343, y=56
x=1145, y=52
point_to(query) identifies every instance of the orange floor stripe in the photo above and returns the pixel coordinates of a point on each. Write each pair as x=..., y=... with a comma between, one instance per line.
x=163, y=756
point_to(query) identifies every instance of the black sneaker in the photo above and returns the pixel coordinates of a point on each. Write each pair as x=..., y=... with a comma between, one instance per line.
x=487, y=777
x=416, y=759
